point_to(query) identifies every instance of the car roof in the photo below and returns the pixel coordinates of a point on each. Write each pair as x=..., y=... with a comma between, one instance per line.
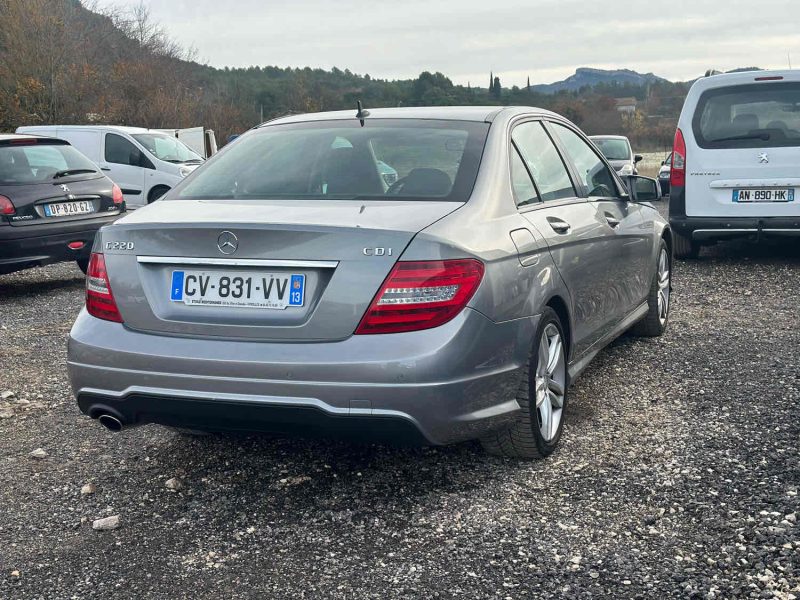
x=607, y=137
x=484, y=114
x=121, y=128
x=10, y=137
x=744, y=77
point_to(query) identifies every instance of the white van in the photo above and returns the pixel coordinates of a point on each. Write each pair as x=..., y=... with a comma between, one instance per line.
x=145, y=163
x=736, y=160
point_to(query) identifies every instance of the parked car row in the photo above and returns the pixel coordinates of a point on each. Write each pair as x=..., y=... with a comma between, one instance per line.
x=424, y=274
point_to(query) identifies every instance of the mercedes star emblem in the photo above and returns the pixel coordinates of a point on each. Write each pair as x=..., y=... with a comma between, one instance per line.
x=227, y=242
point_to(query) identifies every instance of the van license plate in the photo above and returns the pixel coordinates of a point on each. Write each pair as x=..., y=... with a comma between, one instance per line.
x=238, y=289
x=67, y=209
x=766, y=195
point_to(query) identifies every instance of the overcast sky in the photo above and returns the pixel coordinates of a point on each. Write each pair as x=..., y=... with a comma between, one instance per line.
x=465, y=39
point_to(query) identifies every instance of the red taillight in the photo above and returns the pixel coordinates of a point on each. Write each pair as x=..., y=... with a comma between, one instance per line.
x=677, y=172
x=421, y=295
x=116, y=195
x=6, y=207
x=99, y=298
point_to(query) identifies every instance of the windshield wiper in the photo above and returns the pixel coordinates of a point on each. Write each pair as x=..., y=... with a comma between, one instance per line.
x=747, y=136
x=193, y=161
x=66, y=172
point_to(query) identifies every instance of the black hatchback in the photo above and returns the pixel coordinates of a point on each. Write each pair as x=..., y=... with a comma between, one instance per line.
x=52, y=202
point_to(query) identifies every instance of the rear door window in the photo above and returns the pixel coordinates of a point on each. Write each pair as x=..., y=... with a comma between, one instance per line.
x=543, y=161
x=759, y=115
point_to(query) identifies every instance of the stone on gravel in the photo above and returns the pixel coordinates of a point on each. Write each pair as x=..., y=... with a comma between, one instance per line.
x=106, y=524
x=6, y=412
x=38, y=454
x=8, y=395
x=87, y=489
x=174, y=484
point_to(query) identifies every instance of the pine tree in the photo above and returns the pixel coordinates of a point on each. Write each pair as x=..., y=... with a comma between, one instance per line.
x=528, y=87
x=496, y=89
x=491, y=83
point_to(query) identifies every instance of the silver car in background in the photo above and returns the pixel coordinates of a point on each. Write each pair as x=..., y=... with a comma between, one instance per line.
x=288, y=286
x=617, y=150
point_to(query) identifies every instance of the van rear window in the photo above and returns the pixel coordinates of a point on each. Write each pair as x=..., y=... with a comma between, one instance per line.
x=758, y=115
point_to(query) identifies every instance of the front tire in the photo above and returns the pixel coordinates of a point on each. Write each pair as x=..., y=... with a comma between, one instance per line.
x=654, y=323
x=542, y=397
x=156, y=193
x=685, y=248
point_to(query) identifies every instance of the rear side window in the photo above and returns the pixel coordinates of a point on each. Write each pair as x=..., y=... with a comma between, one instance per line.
x=758, y=115
x=524, y=190
x=37, y=163
x=391, y=159
x=543, y=161
x=594, y=173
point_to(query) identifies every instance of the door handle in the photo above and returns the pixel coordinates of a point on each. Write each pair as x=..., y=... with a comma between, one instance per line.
x=105, y=169
x=612, y=221
x=558, y=225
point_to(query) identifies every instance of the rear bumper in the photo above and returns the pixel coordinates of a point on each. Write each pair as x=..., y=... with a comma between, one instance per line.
x=38, y=245
x=709, y=229
x=706, y=229
x=439, y=386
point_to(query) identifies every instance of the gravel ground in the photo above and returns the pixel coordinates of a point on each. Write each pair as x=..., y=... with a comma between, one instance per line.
x=678, y=475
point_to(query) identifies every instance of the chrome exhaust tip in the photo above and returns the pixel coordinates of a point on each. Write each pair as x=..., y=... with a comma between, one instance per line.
x=110, y=422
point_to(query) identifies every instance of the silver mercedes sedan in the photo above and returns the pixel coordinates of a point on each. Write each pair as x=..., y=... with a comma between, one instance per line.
x=289, y=285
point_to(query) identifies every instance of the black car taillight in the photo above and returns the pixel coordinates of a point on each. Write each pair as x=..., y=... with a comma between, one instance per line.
x=7, y=207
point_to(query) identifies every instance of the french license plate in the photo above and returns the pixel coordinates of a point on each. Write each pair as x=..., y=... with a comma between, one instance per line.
x=67, y=209
x=238, y=289
x=765, y=195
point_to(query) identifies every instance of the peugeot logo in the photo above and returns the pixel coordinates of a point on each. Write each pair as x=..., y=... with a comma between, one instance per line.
x=227, y=242
x=763, y=158
x=65, y=188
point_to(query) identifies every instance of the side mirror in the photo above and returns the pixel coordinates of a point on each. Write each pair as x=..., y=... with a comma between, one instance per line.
x=637, y=158
x=643, y=189
x=663, y=162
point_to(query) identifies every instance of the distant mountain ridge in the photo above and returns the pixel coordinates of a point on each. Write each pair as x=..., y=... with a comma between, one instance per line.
x=585, y=76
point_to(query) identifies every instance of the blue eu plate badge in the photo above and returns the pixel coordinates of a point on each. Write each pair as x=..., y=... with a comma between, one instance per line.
x=176, y=293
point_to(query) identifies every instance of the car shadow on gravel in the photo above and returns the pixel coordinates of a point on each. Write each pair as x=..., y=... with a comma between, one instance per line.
x=10, y=290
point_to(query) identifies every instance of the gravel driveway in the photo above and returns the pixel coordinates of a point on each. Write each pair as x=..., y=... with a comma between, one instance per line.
x=678, y=475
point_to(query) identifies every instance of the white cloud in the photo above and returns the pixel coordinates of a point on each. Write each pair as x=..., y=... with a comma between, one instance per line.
x=465, y=39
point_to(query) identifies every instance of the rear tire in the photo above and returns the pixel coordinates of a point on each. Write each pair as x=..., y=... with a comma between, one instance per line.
x=659, y=300
x=685, y=248
x=537, y=430
x=83, y=264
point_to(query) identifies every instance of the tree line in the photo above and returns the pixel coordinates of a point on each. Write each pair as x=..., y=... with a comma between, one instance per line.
x=64, y=61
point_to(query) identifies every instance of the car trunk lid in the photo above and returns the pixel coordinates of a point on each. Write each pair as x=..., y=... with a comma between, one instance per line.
x=342, y=250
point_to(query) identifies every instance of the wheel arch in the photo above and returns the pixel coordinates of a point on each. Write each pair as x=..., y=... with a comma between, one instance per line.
x=561, y=308
x=666, y=235
x=157, y=188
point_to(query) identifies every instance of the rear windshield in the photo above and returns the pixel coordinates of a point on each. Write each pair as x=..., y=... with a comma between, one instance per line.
x=765, y=115
x=36, y=163
x=613, y=149
x=328, y=160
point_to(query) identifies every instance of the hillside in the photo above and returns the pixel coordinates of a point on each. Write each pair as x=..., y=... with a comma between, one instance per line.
x=586, y=77
x=62, y=63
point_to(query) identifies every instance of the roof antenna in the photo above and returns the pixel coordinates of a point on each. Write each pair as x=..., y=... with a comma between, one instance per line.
x=361, y=114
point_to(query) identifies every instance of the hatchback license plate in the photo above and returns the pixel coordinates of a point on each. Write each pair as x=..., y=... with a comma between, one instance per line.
x=765, y=195
x=67, y=209
x=238, y=289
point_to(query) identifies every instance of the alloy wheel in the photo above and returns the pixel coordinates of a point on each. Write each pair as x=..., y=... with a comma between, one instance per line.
x=663, y=286
x=551, y=376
